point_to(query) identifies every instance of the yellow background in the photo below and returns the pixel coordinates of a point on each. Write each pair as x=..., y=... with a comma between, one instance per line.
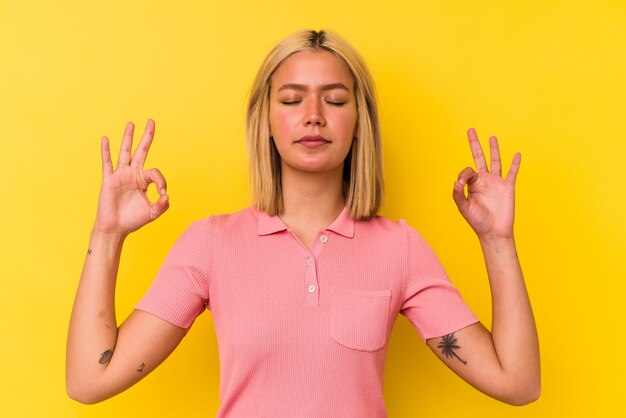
x=547, y=77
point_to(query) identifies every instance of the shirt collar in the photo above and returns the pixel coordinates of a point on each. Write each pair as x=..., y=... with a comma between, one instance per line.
x=343, y=225
x=269, y=224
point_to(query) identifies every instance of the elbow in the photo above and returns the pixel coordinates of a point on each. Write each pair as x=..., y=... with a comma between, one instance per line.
x=524, y=398
x=524, y=395
x=80, y=396
x=80, y=393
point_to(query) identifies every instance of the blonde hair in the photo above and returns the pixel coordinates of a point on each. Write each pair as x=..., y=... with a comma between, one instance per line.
x=363, y=185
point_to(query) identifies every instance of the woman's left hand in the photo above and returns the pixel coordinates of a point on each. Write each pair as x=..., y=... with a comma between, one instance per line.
x=489, y=207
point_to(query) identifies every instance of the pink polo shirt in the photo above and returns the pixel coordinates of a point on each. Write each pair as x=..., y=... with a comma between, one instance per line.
x=304, y=333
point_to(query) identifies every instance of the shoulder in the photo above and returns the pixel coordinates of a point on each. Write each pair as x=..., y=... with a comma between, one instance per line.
x=384, y=226
x=199, y=235
x=240, y=220
x=398, y=233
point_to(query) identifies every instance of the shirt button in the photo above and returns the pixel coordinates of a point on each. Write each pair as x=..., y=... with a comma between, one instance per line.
x=312, y=288
x=309, y=261
x=324, y=238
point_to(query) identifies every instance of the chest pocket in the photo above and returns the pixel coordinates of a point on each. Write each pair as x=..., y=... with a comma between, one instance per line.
x=358, y=319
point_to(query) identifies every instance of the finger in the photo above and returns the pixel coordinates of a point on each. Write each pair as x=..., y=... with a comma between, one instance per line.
x=154, y=176
x=139, y=156
x=105, y=152
x=512, y=174
x=127, y=145
x=467, y=176
x=494, y=153
x=477, y=151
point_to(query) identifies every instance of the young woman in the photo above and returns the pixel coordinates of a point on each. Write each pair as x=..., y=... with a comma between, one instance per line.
x=305, y=284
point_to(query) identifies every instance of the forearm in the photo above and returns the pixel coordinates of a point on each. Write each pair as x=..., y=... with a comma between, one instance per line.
x=513, y=326
x=93, y=327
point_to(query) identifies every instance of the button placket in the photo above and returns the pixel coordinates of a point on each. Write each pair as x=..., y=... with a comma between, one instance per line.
x=310, y=281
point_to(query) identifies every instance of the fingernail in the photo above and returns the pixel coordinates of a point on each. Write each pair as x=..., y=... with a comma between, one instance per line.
x=162, y=191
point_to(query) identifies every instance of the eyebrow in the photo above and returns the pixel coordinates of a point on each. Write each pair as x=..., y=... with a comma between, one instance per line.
x=331, y=86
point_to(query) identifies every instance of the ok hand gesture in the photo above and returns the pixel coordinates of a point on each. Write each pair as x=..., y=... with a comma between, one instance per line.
x=124, y=206
x=490, y=203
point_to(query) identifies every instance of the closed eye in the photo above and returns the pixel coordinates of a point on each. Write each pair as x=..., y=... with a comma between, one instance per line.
x=294, y=102
x=291, y=101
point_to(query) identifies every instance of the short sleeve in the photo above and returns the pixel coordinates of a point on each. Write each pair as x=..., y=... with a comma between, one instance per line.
x=180, y=291
x=430, y=301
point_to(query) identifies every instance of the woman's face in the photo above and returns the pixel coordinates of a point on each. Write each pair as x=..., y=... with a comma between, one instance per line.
x=313, y=114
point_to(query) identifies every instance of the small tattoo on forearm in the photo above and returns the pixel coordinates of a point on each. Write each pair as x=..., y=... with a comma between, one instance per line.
x=448, y=345
x=105, y=357
x=88, y=251
x=140, y=369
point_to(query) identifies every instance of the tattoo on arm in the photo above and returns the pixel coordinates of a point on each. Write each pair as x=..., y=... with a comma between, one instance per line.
x=448, y=345
x=106, y=356
x=140, y=369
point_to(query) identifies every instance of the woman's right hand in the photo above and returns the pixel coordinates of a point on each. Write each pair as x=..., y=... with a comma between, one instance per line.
x=124, y=206
x=143, y=341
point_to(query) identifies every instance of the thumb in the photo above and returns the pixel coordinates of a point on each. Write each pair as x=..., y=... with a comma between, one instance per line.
x=161, y=205
x=467, y=176
x=458, y=194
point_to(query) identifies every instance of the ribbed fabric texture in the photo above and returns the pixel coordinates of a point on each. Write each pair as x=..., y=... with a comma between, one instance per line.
x=304, y=333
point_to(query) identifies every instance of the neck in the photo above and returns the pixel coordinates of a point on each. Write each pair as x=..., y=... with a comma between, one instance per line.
x=310, y=199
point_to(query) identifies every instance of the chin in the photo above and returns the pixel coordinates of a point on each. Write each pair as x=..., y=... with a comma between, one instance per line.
x=311, y=167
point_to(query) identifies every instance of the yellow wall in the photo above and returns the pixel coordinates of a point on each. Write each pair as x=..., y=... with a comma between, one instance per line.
x=547, y=77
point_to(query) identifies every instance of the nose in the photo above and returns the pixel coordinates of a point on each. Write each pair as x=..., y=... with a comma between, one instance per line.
x=314, y=114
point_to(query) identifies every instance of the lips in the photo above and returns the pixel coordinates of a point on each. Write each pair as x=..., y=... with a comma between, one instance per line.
x=312, y=141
